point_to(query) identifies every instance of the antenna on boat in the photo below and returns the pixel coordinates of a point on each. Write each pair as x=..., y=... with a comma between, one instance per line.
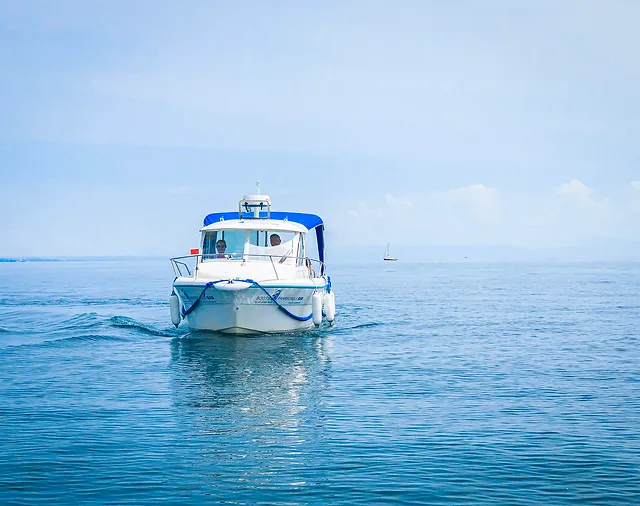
x=258, y=187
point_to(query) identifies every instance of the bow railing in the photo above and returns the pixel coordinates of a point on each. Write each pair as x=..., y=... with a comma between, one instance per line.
x=187, y=265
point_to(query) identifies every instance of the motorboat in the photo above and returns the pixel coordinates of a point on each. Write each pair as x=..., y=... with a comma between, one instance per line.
x=255, y=271
x=387, y=256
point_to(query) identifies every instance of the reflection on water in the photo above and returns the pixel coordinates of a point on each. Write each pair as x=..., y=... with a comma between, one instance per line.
x=252, y=408
x=238, y=382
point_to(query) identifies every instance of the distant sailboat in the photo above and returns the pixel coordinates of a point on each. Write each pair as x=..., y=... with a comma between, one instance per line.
x=387, y=256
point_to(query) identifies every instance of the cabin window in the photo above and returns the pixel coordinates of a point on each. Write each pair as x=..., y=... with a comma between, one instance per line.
x=208, y=245
x=270, y=245
x=223, y=244
x=259, y=237
x=269, y=238
x=312, y=245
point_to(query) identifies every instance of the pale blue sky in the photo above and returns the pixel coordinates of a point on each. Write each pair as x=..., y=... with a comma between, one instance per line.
x=453, y=124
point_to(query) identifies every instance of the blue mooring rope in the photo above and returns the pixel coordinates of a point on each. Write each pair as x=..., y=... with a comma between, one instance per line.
x=185, y=312
x=284, y=309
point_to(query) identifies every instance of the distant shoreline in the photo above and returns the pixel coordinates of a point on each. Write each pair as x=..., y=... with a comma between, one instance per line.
x=76, y=259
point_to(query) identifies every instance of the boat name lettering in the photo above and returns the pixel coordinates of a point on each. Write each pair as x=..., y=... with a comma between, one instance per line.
x=267, y=298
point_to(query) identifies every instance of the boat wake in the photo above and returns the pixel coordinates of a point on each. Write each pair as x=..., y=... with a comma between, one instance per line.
x=81, y=327
x=65, y=341
x=141, y=328
x=368, y=325
x=82, y=338
x=71, y=301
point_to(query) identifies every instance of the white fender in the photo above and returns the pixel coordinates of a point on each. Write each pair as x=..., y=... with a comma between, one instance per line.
x=316, y=308
x=329, y=306
x=174, y=307
x=231, y=285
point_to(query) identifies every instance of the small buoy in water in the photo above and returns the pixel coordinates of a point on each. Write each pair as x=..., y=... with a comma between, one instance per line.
x=316, y=308
x=174, y=306
x=330, y=306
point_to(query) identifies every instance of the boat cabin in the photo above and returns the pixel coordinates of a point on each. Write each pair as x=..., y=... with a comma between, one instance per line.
x=263, y=240
x=255, y=233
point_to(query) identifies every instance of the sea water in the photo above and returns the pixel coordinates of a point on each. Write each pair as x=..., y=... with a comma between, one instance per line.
x=439, y=383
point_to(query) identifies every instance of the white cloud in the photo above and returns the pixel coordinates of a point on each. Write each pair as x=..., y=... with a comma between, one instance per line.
x=574, y=188
x=571, y=215
x=463, y=215
x=579, y=214
x=482, y=202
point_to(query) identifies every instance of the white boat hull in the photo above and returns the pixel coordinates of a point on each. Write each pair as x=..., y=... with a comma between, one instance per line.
x=247, y=310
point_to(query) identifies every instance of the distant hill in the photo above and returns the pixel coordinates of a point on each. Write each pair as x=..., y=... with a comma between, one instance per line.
x=30, y=260
x=82, y=259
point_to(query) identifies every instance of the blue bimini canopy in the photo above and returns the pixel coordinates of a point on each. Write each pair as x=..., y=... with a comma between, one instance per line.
x=310, y=221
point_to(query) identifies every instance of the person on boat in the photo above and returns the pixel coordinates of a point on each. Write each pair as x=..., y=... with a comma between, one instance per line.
x=221, y=246
x=275, y=240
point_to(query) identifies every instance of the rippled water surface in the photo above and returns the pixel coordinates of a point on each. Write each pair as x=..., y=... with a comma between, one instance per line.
x=440, y=383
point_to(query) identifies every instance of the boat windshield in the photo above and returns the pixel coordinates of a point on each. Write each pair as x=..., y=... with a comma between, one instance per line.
x=286, y=247
x=223, y=244
x=268, y=245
